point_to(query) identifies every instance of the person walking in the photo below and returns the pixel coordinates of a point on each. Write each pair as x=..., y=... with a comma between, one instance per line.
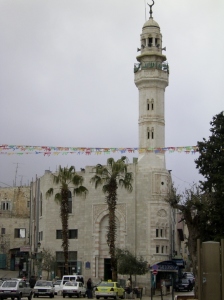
x=89, y=291
x=128, y=288
x=32, y=281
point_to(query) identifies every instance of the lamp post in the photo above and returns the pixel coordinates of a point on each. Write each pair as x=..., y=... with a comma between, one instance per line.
x=29, y=267
x=39, y=260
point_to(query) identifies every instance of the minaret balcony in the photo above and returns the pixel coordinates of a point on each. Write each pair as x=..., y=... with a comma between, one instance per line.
x=146, y=65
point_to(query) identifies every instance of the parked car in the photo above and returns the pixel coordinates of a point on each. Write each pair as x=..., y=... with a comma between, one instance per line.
x=43, y=288
x=57, y=286
x=73, y=288
x=184, y=285
x=190, y=276
x=15, y=288
x=109, y=289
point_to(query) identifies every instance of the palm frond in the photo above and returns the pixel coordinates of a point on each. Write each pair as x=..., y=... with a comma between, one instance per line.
x=58, y=197
x=77, y=179
x=81, y=190
x=49, y=192
x=97, y=180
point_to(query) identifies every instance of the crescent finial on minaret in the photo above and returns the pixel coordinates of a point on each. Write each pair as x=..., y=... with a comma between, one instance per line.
x=151, y=8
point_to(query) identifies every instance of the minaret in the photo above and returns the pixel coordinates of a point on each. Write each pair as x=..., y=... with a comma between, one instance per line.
x=153, y=181
x=151, y=79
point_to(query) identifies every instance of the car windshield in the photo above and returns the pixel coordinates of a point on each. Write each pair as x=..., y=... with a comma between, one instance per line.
x=43, y=283
x=9, y=284
x=107, y=284
x=184, y=281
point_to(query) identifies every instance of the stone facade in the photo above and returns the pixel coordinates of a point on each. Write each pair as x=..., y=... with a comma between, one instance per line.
x=15, y=217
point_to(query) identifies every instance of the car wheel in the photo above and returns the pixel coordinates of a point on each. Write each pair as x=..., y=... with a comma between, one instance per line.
x=63, y=296
x=105, y=297
x=70, y=296
x=97, y=297
x=19, y=297
x=123, y=296
x=30, y=297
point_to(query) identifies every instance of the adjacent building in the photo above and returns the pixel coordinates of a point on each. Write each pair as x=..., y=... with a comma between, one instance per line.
x=14, y=228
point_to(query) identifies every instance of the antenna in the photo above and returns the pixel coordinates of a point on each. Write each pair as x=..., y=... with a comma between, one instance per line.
x=17, y=165
x=15, y=175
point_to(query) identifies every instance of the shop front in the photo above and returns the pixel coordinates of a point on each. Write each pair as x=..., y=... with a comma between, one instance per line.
x=164, y=273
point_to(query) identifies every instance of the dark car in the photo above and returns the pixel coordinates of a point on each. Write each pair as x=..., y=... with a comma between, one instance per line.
x=184, y=285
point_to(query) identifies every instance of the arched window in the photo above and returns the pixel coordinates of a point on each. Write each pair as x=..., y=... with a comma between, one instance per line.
x=152, y=104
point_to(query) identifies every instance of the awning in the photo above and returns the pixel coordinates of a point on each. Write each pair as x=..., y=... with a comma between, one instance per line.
x=165, y=266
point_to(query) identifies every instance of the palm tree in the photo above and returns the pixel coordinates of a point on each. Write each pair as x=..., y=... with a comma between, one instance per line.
x=111, y=176
x=64, y=177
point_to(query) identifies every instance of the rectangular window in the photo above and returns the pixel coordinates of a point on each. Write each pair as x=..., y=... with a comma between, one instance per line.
x=157, y=232
x=162, y=249
x=40, y=236
x=72, y=256
x=20, y=233
x=58, y=234
x=161, y=232
x=157, y=249
x=5, y=205
x=73, y=234
x=2, y=230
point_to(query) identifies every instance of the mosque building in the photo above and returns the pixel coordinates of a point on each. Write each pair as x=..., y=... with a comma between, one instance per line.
x=144, y=219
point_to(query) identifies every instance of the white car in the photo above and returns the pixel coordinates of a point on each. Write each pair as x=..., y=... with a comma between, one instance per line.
x=43, y=288
x=73, y=288
x=57, y=287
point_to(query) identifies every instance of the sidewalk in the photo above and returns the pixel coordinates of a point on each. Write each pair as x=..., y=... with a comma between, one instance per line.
x=157, y=296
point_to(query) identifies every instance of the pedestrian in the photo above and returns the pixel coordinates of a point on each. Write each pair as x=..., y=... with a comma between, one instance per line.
x=32, y=281
x=82, y=280
x=128, y=286
x=89, y=291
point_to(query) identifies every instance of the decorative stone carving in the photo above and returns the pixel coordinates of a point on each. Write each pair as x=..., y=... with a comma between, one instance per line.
x=162, y=213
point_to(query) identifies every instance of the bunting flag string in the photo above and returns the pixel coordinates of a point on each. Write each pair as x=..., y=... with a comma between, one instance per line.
x=49, y=150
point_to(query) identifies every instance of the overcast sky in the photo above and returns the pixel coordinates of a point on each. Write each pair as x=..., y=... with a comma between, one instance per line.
x=66, y=79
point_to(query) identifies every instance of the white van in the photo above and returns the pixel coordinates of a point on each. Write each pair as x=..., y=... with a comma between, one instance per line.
x=66, y=278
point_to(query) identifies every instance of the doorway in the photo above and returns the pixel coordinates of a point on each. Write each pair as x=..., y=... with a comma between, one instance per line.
x=107, y=269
